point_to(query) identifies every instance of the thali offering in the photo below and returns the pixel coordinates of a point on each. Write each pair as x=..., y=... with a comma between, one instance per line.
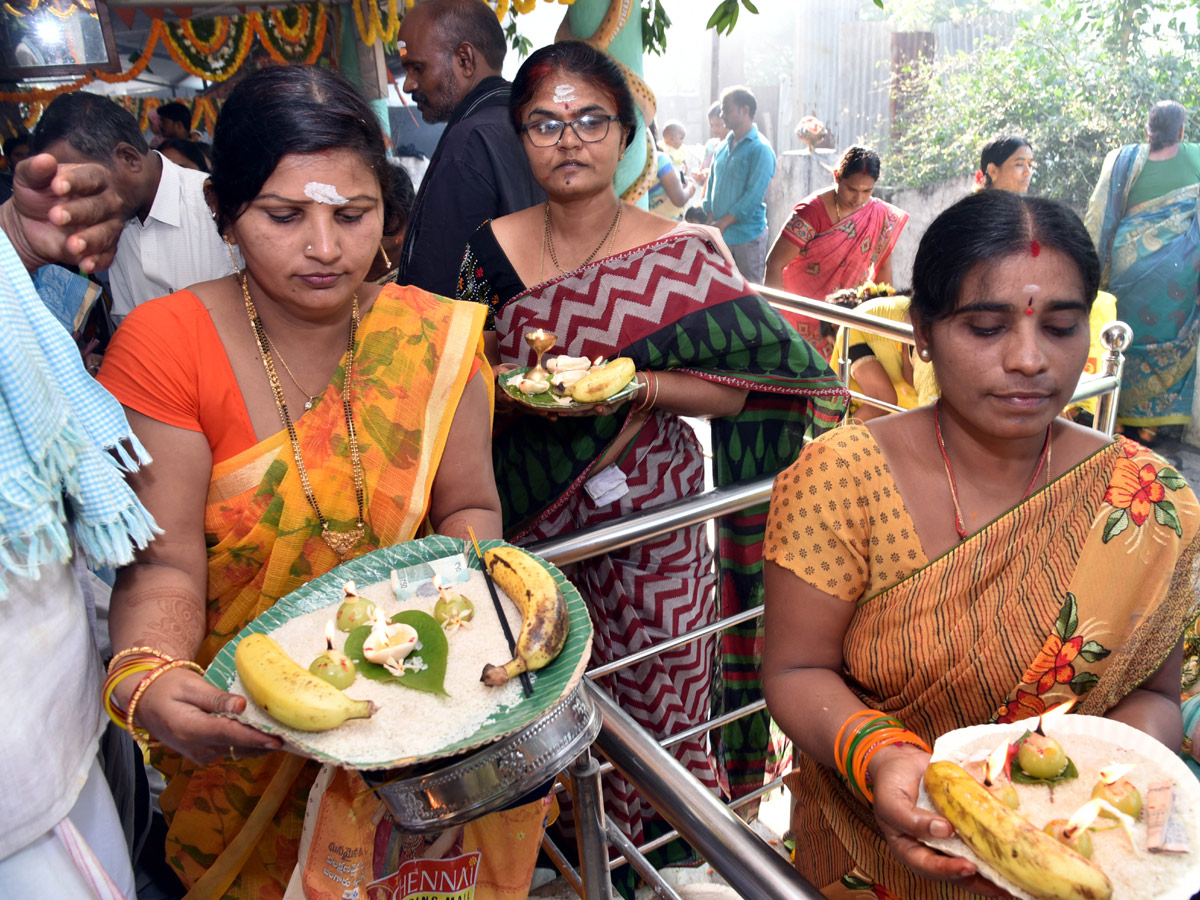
x=1068, y=808
x=572, y=382
x=377, y=664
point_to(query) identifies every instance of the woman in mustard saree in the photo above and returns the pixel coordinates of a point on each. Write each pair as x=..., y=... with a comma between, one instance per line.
x=978, y=560
x=298, y=417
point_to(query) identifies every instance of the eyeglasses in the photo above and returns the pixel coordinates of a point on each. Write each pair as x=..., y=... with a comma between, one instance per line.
x=548, y=132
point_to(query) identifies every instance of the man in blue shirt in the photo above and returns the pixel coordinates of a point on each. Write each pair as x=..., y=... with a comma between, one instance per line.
x=742, y=167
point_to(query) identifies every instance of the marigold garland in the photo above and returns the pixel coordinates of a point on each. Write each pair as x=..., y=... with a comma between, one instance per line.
x=370, y=28
x=215, y=58
x=285, y=43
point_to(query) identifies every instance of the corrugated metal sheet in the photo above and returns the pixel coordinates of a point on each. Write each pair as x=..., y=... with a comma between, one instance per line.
x=967, y=35
x=815, y=72
x=864, y=74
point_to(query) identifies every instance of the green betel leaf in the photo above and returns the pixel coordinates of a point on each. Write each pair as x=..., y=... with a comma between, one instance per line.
x=1118, y=521
x=1164, y=514
x=1020, y=776
x=434, y=649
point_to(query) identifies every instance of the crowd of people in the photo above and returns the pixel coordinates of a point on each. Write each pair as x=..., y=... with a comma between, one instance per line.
x=305, y=371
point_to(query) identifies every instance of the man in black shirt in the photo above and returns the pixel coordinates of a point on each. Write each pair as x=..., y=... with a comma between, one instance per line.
x=454, y=51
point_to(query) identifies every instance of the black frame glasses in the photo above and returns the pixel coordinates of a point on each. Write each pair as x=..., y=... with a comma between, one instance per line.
x=608, y=120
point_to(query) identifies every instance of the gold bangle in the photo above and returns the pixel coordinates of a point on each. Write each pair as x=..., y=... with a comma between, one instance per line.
x=145, y=651
x=140, y=734
x=110, y=686
x=654, y=400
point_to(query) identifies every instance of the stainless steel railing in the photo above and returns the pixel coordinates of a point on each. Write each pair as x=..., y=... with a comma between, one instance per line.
x=1116, y=338
x=742, y=858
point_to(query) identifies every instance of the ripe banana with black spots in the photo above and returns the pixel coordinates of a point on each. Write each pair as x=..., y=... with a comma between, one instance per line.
x=544, y=617
x=600, y=384
x=289, y=694
x=1009, y=843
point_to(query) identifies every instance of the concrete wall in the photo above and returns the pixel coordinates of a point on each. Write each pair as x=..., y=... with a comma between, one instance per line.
x=799, y=173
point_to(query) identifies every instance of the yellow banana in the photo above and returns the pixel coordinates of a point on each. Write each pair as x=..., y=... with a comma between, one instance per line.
x=1009, y=843
x=289, y=694
x=544, y=617
x=602, y=383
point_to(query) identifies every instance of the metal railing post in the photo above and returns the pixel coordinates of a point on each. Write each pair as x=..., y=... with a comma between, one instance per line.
x=731, y=847
x=589, y=828
x=1116, y=339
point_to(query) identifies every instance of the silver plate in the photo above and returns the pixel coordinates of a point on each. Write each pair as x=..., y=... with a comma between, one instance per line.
x=474, y=785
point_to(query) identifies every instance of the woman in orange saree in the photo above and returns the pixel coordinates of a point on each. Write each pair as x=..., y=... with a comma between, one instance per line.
x=1040, y=562
x=837, y=238
x=396, y=438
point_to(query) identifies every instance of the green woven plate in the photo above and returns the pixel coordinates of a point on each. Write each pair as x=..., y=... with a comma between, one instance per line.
x=550, y=685
x=508, y=382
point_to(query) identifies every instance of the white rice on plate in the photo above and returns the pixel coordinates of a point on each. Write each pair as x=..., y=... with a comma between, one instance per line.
x=408, y=723
x=1093, y=743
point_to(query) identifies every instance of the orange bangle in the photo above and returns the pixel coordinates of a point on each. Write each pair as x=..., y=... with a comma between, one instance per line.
x=140, y=734
x=862, y=754
x=837, y=755
x=904, y=737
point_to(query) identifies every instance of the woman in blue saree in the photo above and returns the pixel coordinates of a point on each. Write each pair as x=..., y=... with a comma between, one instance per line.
x=1143, y=218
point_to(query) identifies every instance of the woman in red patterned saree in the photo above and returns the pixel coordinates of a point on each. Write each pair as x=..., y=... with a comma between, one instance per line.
x=977, y=560
x=836, y=238
x=610, y=279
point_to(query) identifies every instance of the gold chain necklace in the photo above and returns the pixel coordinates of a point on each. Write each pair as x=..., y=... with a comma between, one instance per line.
x=837, y=207
x=340, y=542
x=548, y=239
x=312, y=398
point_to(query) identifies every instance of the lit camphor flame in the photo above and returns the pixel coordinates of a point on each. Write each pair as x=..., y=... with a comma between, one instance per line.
x=1053, y=715
x=1113, y=774
x=539, y=335
x=329, y=630
x=350, y=588
x=599, y=361
x=1084, y=817
x=437, y=583
x=996, y=762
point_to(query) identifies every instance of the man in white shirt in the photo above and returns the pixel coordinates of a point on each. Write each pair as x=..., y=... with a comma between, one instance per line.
x=169, y=241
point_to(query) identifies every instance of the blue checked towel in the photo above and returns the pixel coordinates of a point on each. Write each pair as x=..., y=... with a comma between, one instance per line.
x=64, y=444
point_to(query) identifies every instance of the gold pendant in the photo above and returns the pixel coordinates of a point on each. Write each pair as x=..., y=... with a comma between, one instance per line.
x=342, y=542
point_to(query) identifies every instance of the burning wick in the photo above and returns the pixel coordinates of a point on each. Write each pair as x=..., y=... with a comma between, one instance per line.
x=1115, y=789
x=1074, y=831
x=437, y=583
x=599, y=361
x=333, y=666
x=995, y=776
x=1042, y=756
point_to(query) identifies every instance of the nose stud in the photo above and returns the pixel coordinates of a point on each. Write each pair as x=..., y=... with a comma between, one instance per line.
x=308, y=248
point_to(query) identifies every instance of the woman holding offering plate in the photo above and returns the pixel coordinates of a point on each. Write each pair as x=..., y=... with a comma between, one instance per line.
x=611, y=280
x=298, y=417
x=978, y=560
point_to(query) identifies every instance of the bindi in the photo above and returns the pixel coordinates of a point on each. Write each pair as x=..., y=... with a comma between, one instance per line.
x=1035, y=248
x=1029, y=307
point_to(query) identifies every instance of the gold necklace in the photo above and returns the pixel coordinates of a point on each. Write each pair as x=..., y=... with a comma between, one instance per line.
x=837, y=207
x=548, y=239
x=340, y=542
x=312, y=398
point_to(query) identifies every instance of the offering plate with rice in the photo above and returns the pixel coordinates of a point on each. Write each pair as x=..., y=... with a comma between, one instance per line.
x=551, y=401
x=1091, y=743
x=413, y=726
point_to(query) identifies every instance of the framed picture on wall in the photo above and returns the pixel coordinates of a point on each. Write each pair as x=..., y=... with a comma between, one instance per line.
x=48, y=38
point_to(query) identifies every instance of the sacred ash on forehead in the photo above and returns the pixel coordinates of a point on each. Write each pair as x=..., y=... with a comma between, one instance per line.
x=564, y=93
x=324, y=193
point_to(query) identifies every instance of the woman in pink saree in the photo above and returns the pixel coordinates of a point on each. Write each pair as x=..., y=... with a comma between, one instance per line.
x=836, y=238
